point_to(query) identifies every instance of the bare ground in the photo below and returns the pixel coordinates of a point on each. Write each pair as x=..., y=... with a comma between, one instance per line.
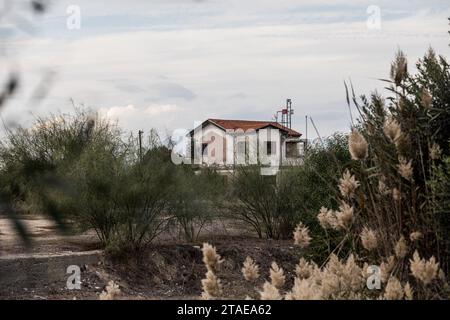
x=167, y=269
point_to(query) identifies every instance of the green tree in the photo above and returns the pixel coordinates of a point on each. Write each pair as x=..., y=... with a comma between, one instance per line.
x=274, y=205
x=195, y=199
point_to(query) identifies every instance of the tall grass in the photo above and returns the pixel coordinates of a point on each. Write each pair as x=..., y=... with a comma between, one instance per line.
x=392, y=210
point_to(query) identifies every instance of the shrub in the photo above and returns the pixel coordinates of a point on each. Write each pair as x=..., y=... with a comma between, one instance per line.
x=142, y=197
x=403, y=136
x=440, y=198
x=79, y=168
x=194, y=199
x=32, y=159
x=94, y=183
x=393, y=197
x=273, y=205
x=256, y=203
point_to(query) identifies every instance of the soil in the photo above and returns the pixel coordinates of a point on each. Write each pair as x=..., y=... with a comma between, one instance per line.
x=44, y=236
x=167, y=269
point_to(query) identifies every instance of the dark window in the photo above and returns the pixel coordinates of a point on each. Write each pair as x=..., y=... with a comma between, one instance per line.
x=271, y=147
x=241, y=148
x=204, y=146
x=243, y=151
x=292, y=150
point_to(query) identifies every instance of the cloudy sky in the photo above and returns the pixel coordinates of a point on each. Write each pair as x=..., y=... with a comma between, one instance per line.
x=167, y=63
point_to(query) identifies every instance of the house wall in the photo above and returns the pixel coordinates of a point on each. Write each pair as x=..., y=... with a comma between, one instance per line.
x=219, y=144
x=283, y=150
x=265, y=135
x=222, y=149
x=250, y=154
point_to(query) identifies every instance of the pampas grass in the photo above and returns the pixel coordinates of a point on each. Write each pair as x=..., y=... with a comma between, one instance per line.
x=211, y=284
x=409, y=293
x=401, y=248
x=358, y=146
x=394, y=289
x=384, y=194
x=348, y=185
x=211, y=259
x=392, y=130
x=111, y=291
x=270, y=292
x=250, y=270
x=415, y=236
x=301, y=236
x=405, y=168
x=345, y=216
x=304, y=289
x=337, y=279
x=368, y=239
x=435, y=151
x=423, y=270
x=399, y=68
x=277, y=277
x=304, y=269
x=212, y=288
x=327, y=219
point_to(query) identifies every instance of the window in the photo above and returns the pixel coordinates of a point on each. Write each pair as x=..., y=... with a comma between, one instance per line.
x=292, y=150
x=204, y=146
x=242, y=151
x=271, y=147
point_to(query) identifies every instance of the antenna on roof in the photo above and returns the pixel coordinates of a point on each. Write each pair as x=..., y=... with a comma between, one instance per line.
x=275, y=117
x=286, y=115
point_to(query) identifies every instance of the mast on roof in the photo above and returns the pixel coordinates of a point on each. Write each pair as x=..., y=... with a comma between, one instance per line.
x=286, y=115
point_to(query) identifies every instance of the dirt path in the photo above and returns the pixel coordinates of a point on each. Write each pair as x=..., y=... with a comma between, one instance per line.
x=170, y=271
x=45, y=238
x=167, y=269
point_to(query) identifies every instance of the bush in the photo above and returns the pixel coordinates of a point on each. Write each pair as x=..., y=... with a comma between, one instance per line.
x=255, y=200
x=440, y=198
x=195, y=197
x=92, y=202
x=273, y=205
x=32, y=159
x=405, y=136
x=142, y=198
x=78, y=168
x=393, y=200
x=316, y=183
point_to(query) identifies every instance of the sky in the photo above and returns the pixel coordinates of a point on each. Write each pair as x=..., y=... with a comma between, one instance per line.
x=167, y=64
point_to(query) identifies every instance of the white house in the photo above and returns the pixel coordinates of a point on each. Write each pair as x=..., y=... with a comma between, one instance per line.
x=227, y=143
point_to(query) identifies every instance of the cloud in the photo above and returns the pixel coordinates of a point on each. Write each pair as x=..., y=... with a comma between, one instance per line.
x=117, y=113
x=173, y=90
x=238, y=95
x=227, y=59
x=133, y=118
x=130, y=88
x=161, y=109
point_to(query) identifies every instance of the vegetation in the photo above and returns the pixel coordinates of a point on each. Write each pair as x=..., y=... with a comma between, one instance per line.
x=194, y=200
x=79, y=167
x=393, y=202
x=273, y=205
x=407, y=137
x=378, y=196
x=32, y=159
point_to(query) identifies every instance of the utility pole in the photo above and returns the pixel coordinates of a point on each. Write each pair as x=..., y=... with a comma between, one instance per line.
x=140, y=144
x=306, y=135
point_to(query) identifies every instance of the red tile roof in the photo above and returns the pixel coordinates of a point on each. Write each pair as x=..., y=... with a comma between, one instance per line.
x=255, y=125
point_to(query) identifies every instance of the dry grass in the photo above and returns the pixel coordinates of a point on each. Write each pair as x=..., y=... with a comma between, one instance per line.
x=250, y=270
x=385, y=211
x=111, y=291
